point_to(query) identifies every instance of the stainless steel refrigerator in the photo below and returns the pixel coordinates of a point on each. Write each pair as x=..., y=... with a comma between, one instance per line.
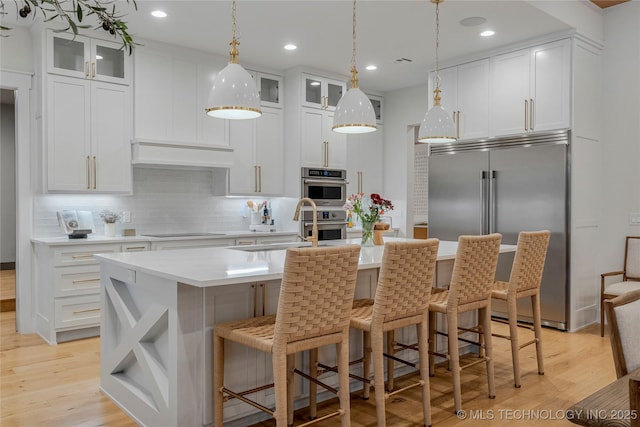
x=508, y=185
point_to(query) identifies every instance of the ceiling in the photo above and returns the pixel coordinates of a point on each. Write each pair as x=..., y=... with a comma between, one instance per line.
x=387, y=30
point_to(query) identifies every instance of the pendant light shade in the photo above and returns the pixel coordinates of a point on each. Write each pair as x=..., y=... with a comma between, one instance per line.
x=437, y=126
x=354, y=112
x=234, y=94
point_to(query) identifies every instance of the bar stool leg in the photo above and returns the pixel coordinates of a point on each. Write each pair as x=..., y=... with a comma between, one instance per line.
x=390, y=362
x=366, y=364
x=313, y=387
x=486, y=311
x=291, y=366
x=512, y=314
x=432, y=343
x=454, y=358
x=423, y=349
x=377, y=347
x=280, y=386
x=218, y=379
x=342, y=350
x=537, y=327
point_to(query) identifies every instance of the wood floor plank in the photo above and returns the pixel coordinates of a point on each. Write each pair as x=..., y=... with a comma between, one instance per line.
x=59, y=385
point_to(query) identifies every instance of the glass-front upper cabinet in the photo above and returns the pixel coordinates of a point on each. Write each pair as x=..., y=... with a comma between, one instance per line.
x=87, y=58
x=320, y=92
x=270, y=88
x=376, y=103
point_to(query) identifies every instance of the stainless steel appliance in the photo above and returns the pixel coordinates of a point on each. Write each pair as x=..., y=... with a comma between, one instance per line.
x=332, y=224
x=326, y=187
x=508, y=185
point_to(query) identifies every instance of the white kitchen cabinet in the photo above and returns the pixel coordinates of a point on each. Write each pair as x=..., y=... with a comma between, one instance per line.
x=258, y=150
x=320, y=146
x=87, y=58
x=465, y=96
x=364, y=154
x=531, y=89
x=266, y=240
x=171, y=91
x=88, y=136
x=269, y=87
x=321, y=92
x=377, y=104
x=68, y=288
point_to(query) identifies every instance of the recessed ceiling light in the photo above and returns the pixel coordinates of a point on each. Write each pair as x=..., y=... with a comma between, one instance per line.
x=290, y=46
x=98, y=56
x=371, y=67
x=487, y=33
x=159, y=14
x=473, y=21
x=314, y=83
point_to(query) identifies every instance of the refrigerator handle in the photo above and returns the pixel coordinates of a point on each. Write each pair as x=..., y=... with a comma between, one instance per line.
x=484, y=200
x=492, y=201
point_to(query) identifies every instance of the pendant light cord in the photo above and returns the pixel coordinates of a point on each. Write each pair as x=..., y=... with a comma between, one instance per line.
x=437, y=45
x=354, y=70
x=233, y=54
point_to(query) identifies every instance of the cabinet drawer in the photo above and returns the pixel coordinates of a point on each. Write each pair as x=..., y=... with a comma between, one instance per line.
x=78, y=255
x=82, y=311
x=76, y=280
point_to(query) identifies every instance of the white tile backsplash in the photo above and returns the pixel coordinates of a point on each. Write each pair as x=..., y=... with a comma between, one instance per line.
x=164, y=201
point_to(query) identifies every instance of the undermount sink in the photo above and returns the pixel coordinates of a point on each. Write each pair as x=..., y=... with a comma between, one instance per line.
x=280, y=246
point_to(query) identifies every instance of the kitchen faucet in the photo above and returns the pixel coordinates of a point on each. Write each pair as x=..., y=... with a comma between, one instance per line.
x=314, y=231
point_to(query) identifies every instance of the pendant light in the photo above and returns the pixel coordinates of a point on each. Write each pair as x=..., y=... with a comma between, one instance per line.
x=437, y=126
x=234, y=94
x=354, y=112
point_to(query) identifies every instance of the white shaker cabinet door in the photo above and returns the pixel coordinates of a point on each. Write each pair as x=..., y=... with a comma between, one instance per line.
x=270, y=151
x=111, y=137
x=68, y=134
x=510, y=91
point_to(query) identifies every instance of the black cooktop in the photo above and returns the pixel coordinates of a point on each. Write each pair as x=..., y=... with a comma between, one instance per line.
x=183, y=234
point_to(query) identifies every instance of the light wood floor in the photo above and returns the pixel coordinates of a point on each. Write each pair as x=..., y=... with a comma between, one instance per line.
x=58, y=385
x=7, y=290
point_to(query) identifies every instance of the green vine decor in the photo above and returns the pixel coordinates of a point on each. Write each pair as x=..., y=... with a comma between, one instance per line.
x=72, y=13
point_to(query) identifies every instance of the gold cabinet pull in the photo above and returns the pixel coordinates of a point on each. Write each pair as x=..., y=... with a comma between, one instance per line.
x=79, y=281
x=458, y=125
x=93, y=70
x=83, y=256
x=255, y=297
x=255, y=178
x=89, y=310
x=260, y=179
x=95, y=173
x=531, y=114
x=325, y=154
x=86, y=69
x=264, y=298
x=88, y=173
x=136, y=248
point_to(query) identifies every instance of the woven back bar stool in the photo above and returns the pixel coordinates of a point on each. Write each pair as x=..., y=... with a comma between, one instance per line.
x=315, y=301
x=526, y=275
x=402, y=299
x=474, y=271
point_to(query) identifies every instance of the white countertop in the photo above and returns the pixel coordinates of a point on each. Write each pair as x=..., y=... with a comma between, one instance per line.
x=205, y=267
x=98, y=238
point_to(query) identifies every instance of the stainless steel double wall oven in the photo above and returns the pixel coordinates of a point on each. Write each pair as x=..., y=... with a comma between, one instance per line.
x=328, y=189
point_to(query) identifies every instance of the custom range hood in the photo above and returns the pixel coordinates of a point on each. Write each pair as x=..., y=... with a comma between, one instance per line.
x=148, y=152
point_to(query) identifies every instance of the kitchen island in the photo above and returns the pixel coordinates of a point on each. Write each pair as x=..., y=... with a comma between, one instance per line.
x=158, y=313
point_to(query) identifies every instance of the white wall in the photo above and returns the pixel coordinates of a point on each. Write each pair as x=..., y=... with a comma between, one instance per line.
x=622, y=131
x=404, y=109
x=15, y=50
x=7, y=184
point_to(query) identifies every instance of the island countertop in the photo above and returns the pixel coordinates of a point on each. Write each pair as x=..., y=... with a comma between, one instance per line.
x=206, y=267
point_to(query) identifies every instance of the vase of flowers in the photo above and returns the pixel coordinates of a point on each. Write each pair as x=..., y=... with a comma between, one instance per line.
x=368, y=211
x=109, y=218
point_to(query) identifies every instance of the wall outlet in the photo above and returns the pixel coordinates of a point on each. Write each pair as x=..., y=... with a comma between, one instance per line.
x=126, y=217
x=634, y=218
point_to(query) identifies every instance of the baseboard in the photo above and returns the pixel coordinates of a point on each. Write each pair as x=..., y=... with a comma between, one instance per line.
x=7, y=265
